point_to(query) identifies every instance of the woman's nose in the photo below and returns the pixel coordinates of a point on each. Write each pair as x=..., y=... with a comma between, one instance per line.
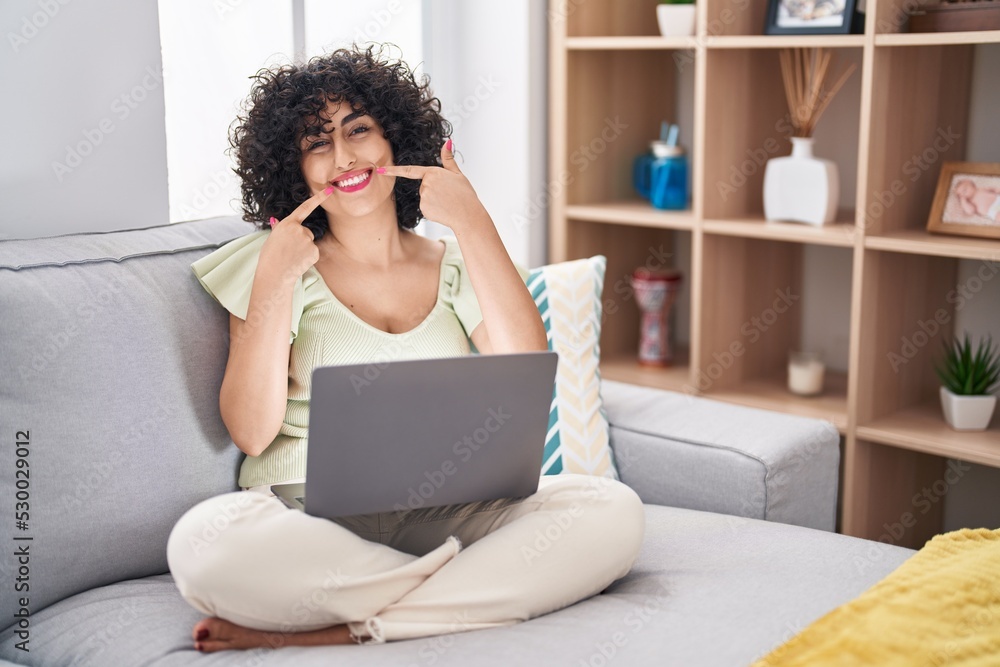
x=343, y=156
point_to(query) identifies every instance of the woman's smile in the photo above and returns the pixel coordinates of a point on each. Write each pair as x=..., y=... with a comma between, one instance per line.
x=357, y=180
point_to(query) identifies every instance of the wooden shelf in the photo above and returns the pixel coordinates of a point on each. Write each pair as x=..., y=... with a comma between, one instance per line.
x=920, y=242
x=772, y=394
x=782, y=41
x=639, y=213
x=836, y=234
x=886, y=284
x=936, y=38
x=625, y=368
x=629, y=43
x=922, y=428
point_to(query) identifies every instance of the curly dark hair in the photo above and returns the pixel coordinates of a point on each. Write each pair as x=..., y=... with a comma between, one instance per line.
x=284, y=104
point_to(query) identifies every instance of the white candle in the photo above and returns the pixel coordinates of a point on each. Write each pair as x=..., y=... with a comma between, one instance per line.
x=805, y=374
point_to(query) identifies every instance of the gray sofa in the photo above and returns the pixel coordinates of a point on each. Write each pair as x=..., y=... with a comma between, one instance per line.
x=111, y=359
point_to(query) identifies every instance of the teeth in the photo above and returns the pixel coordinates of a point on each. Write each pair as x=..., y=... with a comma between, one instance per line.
x=353, y=181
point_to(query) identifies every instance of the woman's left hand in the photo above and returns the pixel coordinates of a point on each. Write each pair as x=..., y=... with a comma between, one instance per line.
x=446, y=195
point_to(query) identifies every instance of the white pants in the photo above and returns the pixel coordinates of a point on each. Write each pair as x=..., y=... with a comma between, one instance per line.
x=244, y=557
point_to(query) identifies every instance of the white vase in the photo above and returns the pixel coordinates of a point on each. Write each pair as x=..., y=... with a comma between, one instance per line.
x=800, y=187
x=967, y=413
x=675, y=20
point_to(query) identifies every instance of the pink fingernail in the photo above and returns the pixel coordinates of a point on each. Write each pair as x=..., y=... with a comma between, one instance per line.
x=273, y=221
x=451, y=146
x=329, y=190
x=380, y=170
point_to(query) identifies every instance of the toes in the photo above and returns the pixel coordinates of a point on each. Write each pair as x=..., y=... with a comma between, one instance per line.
x=198, y=632
x=212, y=645
x=212, y=628
x=223, y=634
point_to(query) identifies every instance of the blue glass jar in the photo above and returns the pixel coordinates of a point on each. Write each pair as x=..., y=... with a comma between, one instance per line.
x=642, y=173
x=661, y=176
x=668, y=185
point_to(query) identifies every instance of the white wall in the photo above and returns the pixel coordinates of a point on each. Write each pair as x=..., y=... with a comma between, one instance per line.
x=332, y=25
x=487, y=63
x=82, y=124
x=212, y=48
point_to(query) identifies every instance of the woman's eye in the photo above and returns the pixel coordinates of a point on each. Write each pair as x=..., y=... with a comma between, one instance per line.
x=356, y=130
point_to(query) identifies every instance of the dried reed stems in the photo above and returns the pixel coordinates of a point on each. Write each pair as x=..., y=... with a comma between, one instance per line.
x=804, y=70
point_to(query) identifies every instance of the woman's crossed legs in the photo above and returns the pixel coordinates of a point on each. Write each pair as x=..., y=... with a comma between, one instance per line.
x=245, y=558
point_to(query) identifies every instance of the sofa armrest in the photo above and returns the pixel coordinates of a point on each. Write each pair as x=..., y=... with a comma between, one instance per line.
x=686, y=451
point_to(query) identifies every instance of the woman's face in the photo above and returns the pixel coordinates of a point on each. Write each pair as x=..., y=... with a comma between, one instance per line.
x=348, y=146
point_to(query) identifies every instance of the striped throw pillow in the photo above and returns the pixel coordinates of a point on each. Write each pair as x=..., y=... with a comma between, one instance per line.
x=568, y=296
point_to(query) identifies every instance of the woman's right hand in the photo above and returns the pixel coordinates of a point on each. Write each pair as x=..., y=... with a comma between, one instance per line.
x=290, y=249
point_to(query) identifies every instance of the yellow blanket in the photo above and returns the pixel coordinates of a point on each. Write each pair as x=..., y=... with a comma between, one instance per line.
x=940, y=607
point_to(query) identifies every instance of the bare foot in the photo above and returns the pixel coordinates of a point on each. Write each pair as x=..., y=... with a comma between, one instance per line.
x=222, y=635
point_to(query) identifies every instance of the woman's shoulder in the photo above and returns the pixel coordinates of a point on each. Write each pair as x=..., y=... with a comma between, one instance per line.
x=453, y=257
x=452, y=262
x=451, y=249
x=228, y=271
x=227, y=274
x=235, y=260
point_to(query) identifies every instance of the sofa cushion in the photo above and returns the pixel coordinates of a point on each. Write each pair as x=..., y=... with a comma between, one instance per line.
x=706, y=590
x=568, y=296
x=687, y=451
x=112, y=358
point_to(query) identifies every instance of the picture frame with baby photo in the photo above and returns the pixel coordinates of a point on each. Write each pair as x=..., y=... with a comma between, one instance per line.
x=967, y=200
x=812, y=17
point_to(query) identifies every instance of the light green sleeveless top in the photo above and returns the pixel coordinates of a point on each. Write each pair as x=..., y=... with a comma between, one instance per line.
x=325, y=332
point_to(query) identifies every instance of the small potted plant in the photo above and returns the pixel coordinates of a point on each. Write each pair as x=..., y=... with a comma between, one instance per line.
x=676, y=17
x=967, y=380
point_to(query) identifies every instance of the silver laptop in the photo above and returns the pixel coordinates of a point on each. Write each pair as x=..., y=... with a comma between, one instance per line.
x=409, y=434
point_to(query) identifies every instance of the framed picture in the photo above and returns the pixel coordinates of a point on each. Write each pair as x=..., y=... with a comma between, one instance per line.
x=967, y=200
x=809, y=17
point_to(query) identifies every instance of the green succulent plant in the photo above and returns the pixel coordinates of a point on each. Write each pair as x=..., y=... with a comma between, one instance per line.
x=966, y=373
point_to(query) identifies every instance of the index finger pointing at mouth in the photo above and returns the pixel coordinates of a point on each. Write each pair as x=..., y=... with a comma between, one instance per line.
x=406, y=171
x=303, y=210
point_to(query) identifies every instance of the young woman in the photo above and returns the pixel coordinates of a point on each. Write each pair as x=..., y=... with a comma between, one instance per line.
x=342, y=156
